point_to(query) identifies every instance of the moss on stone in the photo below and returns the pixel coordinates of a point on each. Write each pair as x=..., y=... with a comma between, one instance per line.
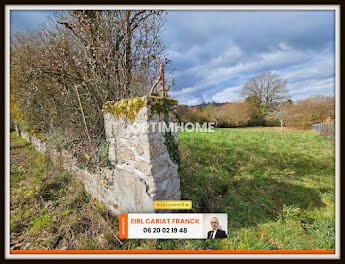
x=161, y=105
x=127, y=107
x=131, y=107
x=157, y=104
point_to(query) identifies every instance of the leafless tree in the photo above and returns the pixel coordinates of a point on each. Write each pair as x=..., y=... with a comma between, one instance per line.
x=281, y=112
x=269, y=88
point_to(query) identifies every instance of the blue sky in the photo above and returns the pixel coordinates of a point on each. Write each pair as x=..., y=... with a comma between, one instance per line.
x=215, y=52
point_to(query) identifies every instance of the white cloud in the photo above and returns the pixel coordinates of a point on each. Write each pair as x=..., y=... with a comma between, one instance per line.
x=188, y=100
x=303, y=88
x=219, y=50
x=230, y=56
x=228, y=94
x=284, y=46
x=320, y=66
x=211, y=74
x=190, y=53
x=186, y=90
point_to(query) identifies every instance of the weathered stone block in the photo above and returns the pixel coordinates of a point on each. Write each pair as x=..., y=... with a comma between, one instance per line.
x=157, y=147
x=141, y=151
x=158, y=166
x=125, y=153
x=144, y=167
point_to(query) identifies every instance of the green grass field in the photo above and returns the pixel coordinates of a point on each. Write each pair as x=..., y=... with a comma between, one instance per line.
x=278, y=190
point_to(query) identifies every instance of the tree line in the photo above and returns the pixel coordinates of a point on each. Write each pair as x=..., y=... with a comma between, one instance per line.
x=301, y=114
x=265, y=103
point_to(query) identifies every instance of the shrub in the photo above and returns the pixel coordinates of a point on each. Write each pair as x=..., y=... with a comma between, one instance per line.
x=315, y=109
x=234, y=114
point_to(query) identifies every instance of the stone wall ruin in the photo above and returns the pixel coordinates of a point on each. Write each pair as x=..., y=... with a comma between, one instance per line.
x=144, y=160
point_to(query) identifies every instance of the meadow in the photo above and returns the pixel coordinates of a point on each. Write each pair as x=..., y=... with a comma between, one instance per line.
x=278, y=190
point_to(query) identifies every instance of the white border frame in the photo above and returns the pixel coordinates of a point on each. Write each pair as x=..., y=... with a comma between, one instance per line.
x=336, y=8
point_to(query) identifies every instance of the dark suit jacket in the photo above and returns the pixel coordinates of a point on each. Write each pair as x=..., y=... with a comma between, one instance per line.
x=219, y=234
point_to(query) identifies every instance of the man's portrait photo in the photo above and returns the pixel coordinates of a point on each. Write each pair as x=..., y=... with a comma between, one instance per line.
x=216, y=231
